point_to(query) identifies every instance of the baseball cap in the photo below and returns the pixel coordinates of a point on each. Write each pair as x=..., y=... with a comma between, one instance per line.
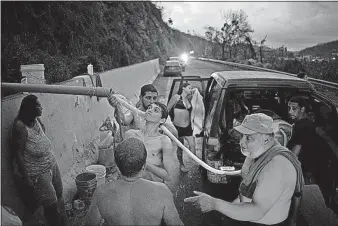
x=256, y=123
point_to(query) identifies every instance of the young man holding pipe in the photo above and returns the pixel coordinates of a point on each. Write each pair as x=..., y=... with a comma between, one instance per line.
x=160, y=158
x=148, y=96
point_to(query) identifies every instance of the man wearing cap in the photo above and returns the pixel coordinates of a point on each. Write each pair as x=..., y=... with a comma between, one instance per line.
x=271, y=175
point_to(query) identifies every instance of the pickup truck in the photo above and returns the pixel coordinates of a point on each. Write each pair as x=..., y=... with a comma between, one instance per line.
x=230, y=95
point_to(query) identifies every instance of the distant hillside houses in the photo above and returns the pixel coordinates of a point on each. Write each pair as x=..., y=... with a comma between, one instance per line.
x=309, y=58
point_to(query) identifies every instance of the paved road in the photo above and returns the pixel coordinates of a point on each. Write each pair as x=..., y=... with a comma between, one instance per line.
x=185, y=183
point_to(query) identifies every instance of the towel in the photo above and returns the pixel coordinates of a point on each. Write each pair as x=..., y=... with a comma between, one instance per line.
x=197, y=113
x=248, y=185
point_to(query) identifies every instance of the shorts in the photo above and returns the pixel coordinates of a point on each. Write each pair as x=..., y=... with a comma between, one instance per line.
x=184, y=131
x=233, y=222
x=47, y=186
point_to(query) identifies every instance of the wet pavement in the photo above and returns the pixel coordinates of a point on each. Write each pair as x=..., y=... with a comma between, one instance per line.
x=184, y=184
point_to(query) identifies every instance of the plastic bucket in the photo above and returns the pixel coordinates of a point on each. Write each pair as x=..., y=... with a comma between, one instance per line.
x=86, y=184
x=100, y=172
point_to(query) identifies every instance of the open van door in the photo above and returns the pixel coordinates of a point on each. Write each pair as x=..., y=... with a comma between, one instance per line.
x=326, y=158
x=195, y=81
x=201, y=84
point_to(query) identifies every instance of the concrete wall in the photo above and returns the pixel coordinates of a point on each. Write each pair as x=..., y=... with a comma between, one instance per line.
x=72, y=124
x=129, y=80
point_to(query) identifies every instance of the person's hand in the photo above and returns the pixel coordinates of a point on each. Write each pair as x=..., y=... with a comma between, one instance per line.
x=112, y=98
x=202, y=201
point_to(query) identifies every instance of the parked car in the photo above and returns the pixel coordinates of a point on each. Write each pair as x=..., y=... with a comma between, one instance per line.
x=172, y=68
x=183, y=63
x=266, y=92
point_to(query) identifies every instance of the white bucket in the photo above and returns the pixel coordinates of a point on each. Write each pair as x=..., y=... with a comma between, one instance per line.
x=100, y=172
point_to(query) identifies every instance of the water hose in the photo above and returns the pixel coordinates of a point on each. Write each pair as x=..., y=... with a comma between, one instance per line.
x=104, y=92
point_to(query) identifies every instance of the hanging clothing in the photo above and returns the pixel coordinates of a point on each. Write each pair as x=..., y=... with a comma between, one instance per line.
x=197, y=113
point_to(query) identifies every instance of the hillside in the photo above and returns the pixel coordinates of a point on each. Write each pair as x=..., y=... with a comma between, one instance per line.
x=321, y=50
x=67, y=36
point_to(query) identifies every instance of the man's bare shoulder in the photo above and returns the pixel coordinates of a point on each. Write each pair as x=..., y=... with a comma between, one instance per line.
x=165, y=139
x=282, y=165
x=159, y=187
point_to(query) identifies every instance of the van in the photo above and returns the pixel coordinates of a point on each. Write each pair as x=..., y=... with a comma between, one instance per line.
x=230, y=95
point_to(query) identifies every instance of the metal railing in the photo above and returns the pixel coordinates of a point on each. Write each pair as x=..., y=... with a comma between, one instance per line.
x=315, y=81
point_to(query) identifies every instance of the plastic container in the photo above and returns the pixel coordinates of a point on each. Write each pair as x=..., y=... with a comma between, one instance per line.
x=86, y=184
x=90, y=69
x=79, y=204
x=215, y=163
x=106, y=149
x=100, y=172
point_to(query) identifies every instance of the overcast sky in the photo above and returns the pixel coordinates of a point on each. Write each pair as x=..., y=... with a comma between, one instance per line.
x=296, y=25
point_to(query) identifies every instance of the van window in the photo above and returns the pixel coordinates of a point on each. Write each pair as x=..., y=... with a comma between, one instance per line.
x=325, y=118
x=214, y=94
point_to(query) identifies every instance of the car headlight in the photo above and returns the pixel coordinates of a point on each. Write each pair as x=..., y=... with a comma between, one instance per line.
x=184, y=57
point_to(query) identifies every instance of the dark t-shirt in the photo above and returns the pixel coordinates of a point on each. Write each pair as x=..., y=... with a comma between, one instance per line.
x=304, y=134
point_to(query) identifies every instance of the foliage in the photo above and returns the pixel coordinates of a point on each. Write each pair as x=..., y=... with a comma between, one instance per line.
x=235, y=31
x=67, y=36
x=232, y=42
x=321, y=50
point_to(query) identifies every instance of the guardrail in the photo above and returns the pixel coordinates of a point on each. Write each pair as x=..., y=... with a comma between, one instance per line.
x=313, y=80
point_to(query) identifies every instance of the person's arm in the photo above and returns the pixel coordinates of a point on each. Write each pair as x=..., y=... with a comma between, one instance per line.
x=125, y=116
x=170, y=213
x=93, y=217
x=299, y=137
x=19, y=138
x=172, y=102
x=296, y=149
x=168, y=161
x=42, y=125
x=170, y=126
x=271, y=184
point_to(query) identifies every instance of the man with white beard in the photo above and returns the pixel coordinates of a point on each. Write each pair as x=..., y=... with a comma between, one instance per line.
x=271, y=176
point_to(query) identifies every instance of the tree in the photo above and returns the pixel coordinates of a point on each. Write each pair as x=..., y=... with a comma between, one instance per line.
x=249, y=40
x=213, y=36
x=235, y=30
x=261, y=48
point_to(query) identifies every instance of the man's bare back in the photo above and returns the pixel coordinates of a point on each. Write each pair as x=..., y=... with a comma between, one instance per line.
x=132, y=200
x=138, y=202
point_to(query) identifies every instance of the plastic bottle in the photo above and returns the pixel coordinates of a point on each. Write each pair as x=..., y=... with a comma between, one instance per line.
x=90, y=69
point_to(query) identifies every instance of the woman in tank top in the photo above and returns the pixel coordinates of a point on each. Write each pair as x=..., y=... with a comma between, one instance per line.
x=35, y=162
x=179, y=108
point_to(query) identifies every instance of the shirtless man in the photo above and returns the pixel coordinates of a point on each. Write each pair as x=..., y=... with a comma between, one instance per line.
x=148, y=96
x=160, y=158
x=132, y=200
x=269, y=182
